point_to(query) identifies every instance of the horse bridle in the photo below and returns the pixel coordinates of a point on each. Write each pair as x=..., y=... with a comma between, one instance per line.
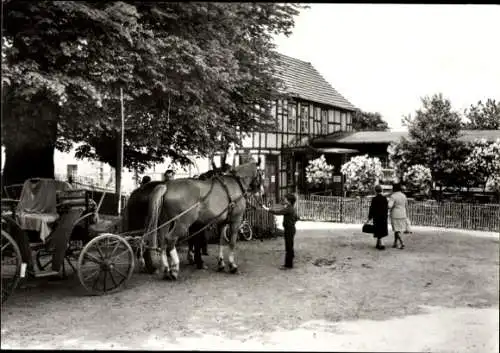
x=244, y=192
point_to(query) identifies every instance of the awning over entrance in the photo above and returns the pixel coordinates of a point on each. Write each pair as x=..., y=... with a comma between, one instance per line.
x=337, y=150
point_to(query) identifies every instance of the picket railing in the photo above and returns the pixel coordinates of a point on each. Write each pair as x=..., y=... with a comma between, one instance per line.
x=423, y=213
x=263, y=223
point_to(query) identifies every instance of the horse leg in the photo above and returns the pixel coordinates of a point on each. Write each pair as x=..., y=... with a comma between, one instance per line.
x=165, y=268
x=171, y=240
x=233, y=229
x=191, y=251
x=197, y=251
x=174, y=270
x=220, y=259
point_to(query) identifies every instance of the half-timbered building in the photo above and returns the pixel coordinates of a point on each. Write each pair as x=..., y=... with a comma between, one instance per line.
x=313, y=108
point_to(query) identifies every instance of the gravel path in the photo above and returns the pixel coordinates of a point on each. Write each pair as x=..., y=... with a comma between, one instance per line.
x=439, y=294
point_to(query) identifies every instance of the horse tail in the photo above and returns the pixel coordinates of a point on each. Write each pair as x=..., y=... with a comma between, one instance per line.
x=154, y=211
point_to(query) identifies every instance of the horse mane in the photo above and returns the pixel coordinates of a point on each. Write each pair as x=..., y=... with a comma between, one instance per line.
x=245, y=170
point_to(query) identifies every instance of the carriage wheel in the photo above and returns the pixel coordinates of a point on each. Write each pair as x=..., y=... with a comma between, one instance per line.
x=11, y=265
x=245, y=231
x=43, y=259
x=105, y=264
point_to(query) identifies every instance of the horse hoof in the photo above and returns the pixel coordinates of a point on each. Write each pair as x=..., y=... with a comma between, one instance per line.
x=220, y=268
x=174, y=275
x=233, y=268
x=167, y=276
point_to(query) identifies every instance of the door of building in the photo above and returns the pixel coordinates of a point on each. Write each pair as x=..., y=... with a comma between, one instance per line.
x=271, y=186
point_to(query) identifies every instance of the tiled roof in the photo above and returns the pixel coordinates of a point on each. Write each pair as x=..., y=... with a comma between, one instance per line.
x=362, y=137
x=303, y=81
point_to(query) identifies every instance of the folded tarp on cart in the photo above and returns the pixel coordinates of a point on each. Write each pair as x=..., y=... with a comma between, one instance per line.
x=36, y=209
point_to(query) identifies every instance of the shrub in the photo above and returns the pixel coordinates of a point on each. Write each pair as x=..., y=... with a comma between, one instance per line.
x=362, y=173
x=318, y=172
x=418, y=179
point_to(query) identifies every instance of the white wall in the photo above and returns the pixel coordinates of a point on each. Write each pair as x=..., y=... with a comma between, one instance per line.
x=92, y=169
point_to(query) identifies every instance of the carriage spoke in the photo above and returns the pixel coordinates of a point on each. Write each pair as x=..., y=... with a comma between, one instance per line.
x=5, y=246
x=120, y=272
x=115, y=248
x=91, y=275
x=95, y=281
x=69, y=262
x=104, y=281
x=93, y=258
x=121, y=263
x=100, y=251
x=113, y=279
x=121, y=254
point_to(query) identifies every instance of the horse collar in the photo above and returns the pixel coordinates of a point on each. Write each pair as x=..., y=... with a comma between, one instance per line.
x=238, y=180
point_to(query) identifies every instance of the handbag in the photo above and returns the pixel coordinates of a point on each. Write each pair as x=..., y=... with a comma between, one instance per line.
x=368, y=228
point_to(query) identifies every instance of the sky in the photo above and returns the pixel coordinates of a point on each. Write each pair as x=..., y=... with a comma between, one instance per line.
x=385, y=57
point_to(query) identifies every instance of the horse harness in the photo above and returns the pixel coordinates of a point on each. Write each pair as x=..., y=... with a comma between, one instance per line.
x=229, y=208
x=231, y=202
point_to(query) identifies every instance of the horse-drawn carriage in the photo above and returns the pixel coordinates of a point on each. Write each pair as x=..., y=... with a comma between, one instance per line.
x=50, y=224
x=60, y=224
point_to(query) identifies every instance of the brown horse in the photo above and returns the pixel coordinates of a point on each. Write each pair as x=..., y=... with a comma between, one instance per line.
x=199, y=241
x=175, y=206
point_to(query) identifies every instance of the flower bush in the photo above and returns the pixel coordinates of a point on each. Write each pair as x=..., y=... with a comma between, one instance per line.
x=418, y=178
x=484, y=163
x=319, y=172
x=362, y=173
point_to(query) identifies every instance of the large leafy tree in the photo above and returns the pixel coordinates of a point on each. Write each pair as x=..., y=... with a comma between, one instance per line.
x=483, y=162
x=365, y=121
x=189, y=71
x=433, y=141
x=483, y=116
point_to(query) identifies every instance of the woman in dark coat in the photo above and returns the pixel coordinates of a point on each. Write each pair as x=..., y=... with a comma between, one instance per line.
x=378, y=212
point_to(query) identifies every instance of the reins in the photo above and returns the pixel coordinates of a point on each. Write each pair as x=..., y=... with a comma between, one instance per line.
x=229, y=208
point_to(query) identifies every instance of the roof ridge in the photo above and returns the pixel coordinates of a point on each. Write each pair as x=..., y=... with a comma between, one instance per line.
x=291, y=57
x=304, y=81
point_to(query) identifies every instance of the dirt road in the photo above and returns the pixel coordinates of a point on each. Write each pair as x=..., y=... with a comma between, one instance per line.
x=439, y=294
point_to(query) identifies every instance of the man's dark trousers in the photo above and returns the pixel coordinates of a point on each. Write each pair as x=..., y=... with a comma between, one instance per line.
x=289, y=253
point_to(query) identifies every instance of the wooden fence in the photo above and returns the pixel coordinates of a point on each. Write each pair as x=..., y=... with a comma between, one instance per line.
x=263, y=223
x=423, y=213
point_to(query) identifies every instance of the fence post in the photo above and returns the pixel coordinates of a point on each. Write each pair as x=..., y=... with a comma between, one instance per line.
x=341, y=210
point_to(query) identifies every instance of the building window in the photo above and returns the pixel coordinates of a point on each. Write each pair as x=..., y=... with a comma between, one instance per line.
x=331, y=126
x=317, y=121
x=292, y=117
x=272, y=108
x=343, y=121
x=72, y=171
x=336, y=121
x=349, y=121
x=324, y=122
x=304, y=118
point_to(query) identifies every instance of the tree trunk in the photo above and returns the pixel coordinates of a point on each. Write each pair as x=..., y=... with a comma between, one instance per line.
x=29, y=134
x=24, y=162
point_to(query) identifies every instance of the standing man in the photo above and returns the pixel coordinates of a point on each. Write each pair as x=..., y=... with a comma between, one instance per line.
x=289, y=219
x=145, y=179
x=168, y=175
